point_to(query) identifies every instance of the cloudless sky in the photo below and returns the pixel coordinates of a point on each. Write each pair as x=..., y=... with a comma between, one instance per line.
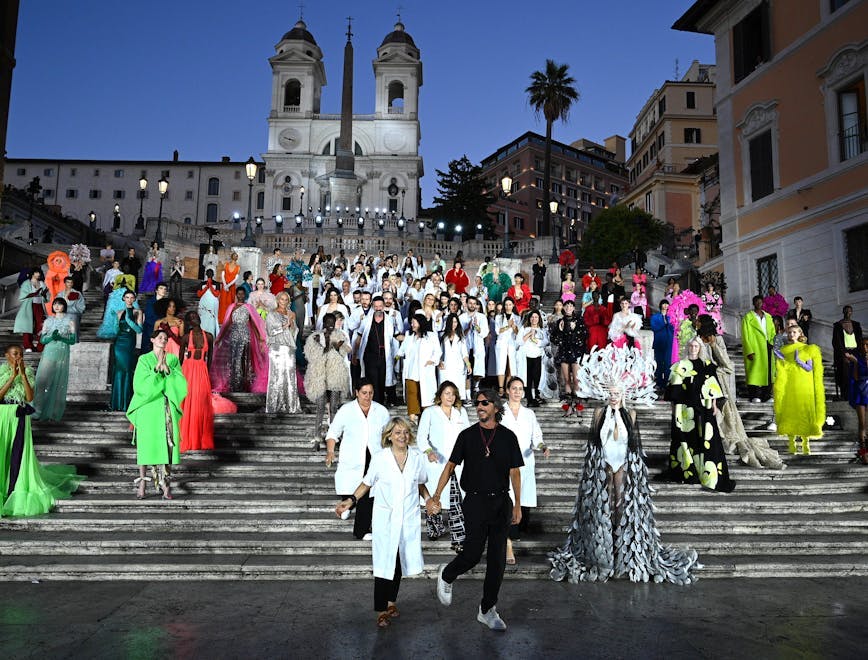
x=121, y=79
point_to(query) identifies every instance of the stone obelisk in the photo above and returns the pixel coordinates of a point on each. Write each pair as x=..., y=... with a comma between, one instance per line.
x=342, y=182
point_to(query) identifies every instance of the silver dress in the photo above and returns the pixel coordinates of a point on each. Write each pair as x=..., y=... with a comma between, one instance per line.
x=239, y=350
x=282, y=393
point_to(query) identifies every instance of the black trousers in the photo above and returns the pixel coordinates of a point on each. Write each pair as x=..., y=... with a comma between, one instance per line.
x=534, y=371
x=515, y=531
x=386, y=591
x=375, y=369
x=486, y=519
x=364, y=508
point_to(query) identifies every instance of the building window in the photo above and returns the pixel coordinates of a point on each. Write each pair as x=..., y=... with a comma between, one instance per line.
x=95, y=194
x=586, y=216
x=766, y=273
x=211, y=213
x=48, y=193
x=557, y=188
x=852, y=121
x=21, y=171
x=189, y=174
x=518, y=222
x=556, y=170
x=188, y=220
x=661, y=106
x=653, y=150
x=583, y=179
x=571, y=192
x=601, y=202
x=614, y=189
x=691, y=100
x=71, y=193
x=73, y=171
x=538, y=164
x=692, y=136
x=835, y=5
x=213, y=186
x=649, y=202
x=570, y=175
x=291, y=96
x=119, y=174
x=539, y=182
x=237, y=174
x=236, y=195
x=118, y=194
x=751, y=42
x=188, y=195
x=286, y=205
x=96, y=172
x=761, y=166
x=586, y=197
x=165, y=174
x=260, y=200
x=393, y=205
x=260, y=174
x=856, y=247
x=48, y=171
x=661, y=140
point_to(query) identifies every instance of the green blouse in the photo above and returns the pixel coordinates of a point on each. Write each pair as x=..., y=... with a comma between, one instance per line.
x=16, y=393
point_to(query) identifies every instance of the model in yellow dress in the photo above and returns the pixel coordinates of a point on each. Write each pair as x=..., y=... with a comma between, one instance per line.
x=800, y=399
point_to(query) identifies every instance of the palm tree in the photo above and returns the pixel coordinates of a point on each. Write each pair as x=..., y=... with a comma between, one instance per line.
x=551, y=93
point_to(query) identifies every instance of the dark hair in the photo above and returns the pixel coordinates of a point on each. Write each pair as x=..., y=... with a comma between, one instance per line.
x=69, y=277
x=439, y=394
x=275, y=268
x=376, y=298
x=755, y=298
x=447, y=326
x=189, y=316
x=492, y=396
x=530, y=313
x=209, y=273
x=510, y=299
x=158, y=331
x=512, y=379
x=663, y=301
x=691, y=306
x=707, y=326
x=364, y=380
x=61, y=301
x=159, y=284
x=161, y=307
x=247, y=273
x=424, y=325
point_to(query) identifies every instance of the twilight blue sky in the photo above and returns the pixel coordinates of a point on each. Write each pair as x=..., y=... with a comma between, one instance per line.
x=123, y=79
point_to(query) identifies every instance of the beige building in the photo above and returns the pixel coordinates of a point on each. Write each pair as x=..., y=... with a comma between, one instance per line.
x=675, y=128
x=791, y=108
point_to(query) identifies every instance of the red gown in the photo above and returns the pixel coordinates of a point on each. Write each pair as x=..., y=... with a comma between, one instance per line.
x=597, y=320
x=522, y=303
x=227, y=293
x=197, y=412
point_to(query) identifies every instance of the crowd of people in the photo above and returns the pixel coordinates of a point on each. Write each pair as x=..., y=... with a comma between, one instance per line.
x=406, y=333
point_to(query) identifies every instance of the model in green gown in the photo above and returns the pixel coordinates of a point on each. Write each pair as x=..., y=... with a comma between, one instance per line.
x=52, y=377
x=129, y=325
x=26, y=487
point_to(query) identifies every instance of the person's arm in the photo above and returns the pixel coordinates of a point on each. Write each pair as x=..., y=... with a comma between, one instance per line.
x=350, y=502
x=515, y=479
x=432, y=506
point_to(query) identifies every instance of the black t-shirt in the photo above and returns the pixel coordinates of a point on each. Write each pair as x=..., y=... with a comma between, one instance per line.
x=486, y=474
x=375, y=349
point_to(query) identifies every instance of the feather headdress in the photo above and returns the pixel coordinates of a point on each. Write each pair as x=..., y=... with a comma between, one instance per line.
x=625, y=368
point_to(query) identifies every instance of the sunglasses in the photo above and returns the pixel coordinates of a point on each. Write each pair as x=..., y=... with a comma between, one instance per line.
x=481, y=402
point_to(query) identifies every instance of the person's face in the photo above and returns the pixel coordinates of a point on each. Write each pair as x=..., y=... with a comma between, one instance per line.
x=260, y=285
x=170, y=309
x=378, y=305
x=625, y=306
x=388, y=300
x=13, y=355
x=793, y=333
x=36, y=276
x=692, y=313
x=558, y=307
x=333, y=296
x=772, y=291
x=448, y=396
x=67, y=282
x=161, y=291
x=357, y=297
x=848, y=312
x=615, y=397
x=282, y=301
x=453, y=306
x=485, y=411
x=429, y=300
x=414, y=325
x=490, y=306
x=159, y=342
x=132, y=252
x=57, y=307
x=664, y=308
x=345, y=286
x=365, y=394
x=508, y=306
x=471, y=305
x=757, y=304
x=239, y=296
x=116, y=265
x=569, y=308
x=366, y=300
x=193, y=320
x=535, y=320
x=693, y=350
x=593, y=286
x=518, y=280
x=400, y=436
x=516, y=391
x=129, y=299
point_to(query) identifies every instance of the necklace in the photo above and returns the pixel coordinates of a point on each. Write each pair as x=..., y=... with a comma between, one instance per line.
x=486, y=442
x=401, y=464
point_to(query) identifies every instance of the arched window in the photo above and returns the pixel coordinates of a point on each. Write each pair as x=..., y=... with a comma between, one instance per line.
x=396, y=98
x=211, y=213
x=213, y=186
x=327, y=149
x=292, y=95
x=357, y=149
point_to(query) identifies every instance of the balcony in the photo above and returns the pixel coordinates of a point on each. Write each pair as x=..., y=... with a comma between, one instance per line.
x=292, y=108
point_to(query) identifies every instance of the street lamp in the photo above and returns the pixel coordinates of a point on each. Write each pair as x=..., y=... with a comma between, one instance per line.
x=163, y=187
x=403, y=195
x=421, y=226
x=361, y=224
x=301, y=201
x=553, y=207
x=506, y=189
x=458, y=230
x=92, y=217
x=278, y=223
x=116, y=221
x=250, y=169
x=143, y=186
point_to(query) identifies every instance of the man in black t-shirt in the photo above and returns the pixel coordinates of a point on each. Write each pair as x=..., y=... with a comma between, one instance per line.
x=492, y=459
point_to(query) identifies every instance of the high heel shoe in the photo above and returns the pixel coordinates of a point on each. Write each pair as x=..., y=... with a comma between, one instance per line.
x=141, y=484
x=166, y=486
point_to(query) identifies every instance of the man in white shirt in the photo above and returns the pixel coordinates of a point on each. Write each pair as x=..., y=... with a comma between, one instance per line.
x=338, y=277
x=435, y=284
x=359, y=425
x=347, y=295
x=474, y=324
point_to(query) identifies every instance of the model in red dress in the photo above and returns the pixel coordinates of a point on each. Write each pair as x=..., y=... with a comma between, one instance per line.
x=197, y=412
x=231, y=278
x=520, y=293
x=597, y=320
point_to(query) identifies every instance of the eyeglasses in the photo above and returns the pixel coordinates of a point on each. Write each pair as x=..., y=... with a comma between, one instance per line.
x=481, y=402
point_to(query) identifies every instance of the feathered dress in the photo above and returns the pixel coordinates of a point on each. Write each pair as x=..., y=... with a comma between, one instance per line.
x=603, y=543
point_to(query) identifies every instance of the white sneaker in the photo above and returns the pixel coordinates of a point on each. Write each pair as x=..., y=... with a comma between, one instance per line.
x=345, y=515
x=755, y=400
x=773, y=427
x=444, y=589
x=368, y=537
x=491, y=619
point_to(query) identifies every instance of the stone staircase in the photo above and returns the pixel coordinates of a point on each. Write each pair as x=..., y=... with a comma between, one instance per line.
x=261, y=506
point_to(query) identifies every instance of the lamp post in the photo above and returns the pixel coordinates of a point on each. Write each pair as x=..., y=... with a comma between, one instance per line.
x=250, y=169
x=506, y=189
x=163, y=187
x=457, y=237
x=92, y=217
x=278, y=223
x=116, y=220
x=301, y=201
x=403, y=195
x=553, y=207
x=143, y=186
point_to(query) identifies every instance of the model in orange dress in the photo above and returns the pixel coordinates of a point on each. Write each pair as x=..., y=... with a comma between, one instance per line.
x=230, y=278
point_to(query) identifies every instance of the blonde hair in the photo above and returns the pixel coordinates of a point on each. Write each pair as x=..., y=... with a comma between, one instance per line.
x=386, y=439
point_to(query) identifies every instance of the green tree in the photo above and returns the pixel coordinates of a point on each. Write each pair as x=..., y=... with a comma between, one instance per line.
x=617, y=232
x=552, y=94
x=462, y=199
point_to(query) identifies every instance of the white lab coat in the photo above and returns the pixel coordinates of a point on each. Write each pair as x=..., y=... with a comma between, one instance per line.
x=504, y=347
x=474, y=339
x=356, y=432
x=526, y=346
x=454, y=367
x=438, y=433
x=416, y=352
x=529, y=434
x=396, y=522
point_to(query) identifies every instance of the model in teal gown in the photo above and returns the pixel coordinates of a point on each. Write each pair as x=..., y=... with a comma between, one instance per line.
x=26, y=487
x=125, y=360
x=52, y=377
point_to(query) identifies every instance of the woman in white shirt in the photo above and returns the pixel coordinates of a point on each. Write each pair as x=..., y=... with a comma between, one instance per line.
x=524, y=424
x=332, y=304
x=421, y=352
x=533, y=338
x=396, y=479
x=439, y=426
x=506, y=325
x=455, y=362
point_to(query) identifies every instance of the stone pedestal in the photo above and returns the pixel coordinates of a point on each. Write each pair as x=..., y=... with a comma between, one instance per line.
x=250, y=258
x=508, y=266
x=89, y=366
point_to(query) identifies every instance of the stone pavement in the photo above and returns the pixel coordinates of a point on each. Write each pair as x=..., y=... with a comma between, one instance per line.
x=723, y=618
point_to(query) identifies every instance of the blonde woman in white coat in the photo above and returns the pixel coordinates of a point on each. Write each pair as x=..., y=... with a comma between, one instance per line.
x=439, y=426
x=455, y=362
x=523, y=422
x=506, y=327
x=396, y=479
x=421, y=352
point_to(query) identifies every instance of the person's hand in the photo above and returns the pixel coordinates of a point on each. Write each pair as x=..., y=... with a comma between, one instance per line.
x=516, y=514
x=343, y=505
x=432, y=456
x=330, y=458
x=429, y=363
x=432, y=506
x=547, y=452
x=750, y=356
